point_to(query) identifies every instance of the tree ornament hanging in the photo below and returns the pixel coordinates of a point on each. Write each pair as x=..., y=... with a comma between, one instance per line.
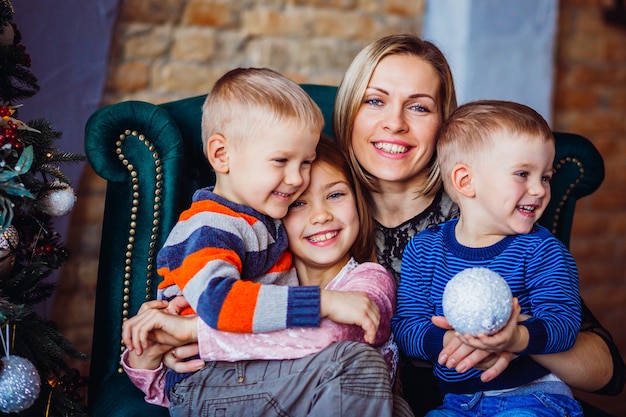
x=9, y=239
x=58, y=200
x=6, y=34
x=20, y=382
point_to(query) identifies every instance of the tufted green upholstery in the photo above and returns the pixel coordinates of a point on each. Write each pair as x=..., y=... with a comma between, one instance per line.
x=151, y=157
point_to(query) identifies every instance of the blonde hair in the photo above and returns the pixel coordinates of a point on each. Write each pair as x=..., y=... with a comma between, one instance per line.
x=356, y=79
x=472, y=127
x=363, y=249
x=245, y=99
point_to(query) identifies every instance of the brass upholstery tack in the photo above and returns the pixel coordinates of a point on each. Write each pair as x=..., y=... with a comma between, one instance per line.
x=559, y=165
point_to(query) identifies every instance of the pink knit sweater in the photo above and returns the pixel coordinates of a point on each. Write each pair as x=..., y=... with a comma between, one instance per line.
x=215, y=345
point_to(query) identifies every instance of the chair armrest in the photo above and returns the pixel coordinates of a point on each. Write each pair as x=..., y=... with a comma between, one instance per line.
x=138, y=149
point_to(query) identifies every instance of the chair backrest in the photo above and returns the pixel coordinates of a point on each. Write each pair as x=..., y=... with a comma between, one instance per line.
x=151, y=157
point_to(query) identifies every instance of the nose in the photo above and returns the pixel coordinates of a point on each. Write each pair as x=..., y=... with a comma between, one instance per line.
x=395, y=121
x=539, y=188
x=294, y=175
x=320, y=214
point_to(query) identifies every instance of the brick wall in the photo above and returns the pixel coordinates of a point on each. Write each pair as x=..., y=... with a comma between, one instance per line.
x=590, y=99
x=169, y=49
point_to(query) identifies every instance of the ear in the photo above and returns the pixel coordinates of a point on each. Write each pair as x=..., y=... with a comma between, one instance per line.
x=217, y=153
x=462, y=180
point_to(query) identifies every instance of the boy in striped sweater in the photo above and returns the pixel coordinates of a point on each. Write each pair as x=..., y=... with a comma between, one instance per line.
x=228, y=252
x=496, y=162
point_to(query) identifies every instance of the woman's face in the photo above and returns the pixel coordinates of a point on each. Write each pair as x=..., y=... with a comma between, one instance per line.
x=394, y=129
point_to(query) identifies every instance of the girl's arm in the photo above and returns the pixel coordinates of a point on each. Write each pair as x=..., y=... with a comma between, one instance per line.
x=370, y=279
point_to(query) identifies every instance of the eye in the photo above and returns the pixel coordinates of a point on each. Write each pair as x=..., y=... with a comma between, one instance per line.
x=296, y=204
x=419, y=108
x=281, y=161
x=546, y=178
x=522, y=174
x=336, y=194
x=375, y=102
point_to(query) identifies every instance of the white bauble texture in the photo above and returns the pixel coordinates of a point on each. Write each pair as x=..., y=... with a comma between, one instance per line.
x=19, y=384
x=57, y=202
x=477, y=300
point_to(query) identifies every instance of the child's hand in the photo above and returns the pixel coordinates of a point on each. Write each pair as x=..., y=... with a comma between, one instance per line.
x=511, y=338
x=349, y=307
x=150, y=358
x=462, y=357
x=154, y=323
x=177, y=304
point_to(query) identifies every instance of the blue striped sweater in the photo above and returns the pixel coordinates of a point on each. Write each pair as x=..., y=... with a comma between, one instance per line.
x=539, y=269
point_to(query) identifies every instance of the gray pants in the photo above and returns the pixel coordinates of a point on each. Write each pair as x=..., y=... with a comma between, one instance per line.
x=345, y=379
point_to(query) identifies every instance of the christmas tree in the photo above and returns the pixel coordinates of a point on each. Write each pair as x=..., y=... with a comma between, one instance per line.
x=35, y=380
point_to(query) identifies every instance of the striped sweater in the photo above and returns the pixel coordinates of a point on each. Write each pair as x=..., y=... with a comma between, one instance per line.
x=541, y=273
x=232, y=265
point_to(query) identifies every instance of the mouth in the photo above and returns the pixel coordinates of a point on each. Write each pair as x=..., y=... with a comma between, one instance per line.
x=282, y=195
x=392, y=148
x=527, y=209
x=322, y=237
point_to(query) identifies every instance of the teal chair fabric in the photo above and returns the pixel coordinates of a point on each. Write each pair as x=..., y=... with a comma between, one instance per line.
x=151, y=158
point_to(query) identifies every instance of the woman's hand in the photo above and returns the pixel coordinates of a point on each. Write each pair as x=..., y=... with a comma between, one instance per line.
x=178, y=358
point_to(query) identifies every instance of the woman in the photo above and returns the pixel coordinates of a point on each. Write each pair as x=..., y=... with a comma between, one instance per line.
x=389, y=107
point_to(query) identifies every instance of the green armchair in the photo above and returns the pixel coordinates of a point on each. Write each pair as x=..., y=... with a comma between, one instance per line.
x=151, y=157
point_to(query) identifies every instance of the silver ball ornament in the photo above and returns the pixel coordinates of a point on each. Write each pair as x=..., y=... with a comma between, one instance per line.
x=20, y=384
x=477, y=300
x=9, y=239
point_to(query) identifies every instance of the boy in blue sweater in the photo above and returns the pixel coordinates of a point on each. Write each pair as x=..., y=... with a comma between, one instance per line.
x=496, y=163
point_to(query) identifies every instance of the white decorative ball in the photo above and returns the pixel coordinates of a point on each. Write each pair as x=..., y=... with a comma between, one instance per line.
x=20, y=384
x=57, y=202
x=477, y=300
